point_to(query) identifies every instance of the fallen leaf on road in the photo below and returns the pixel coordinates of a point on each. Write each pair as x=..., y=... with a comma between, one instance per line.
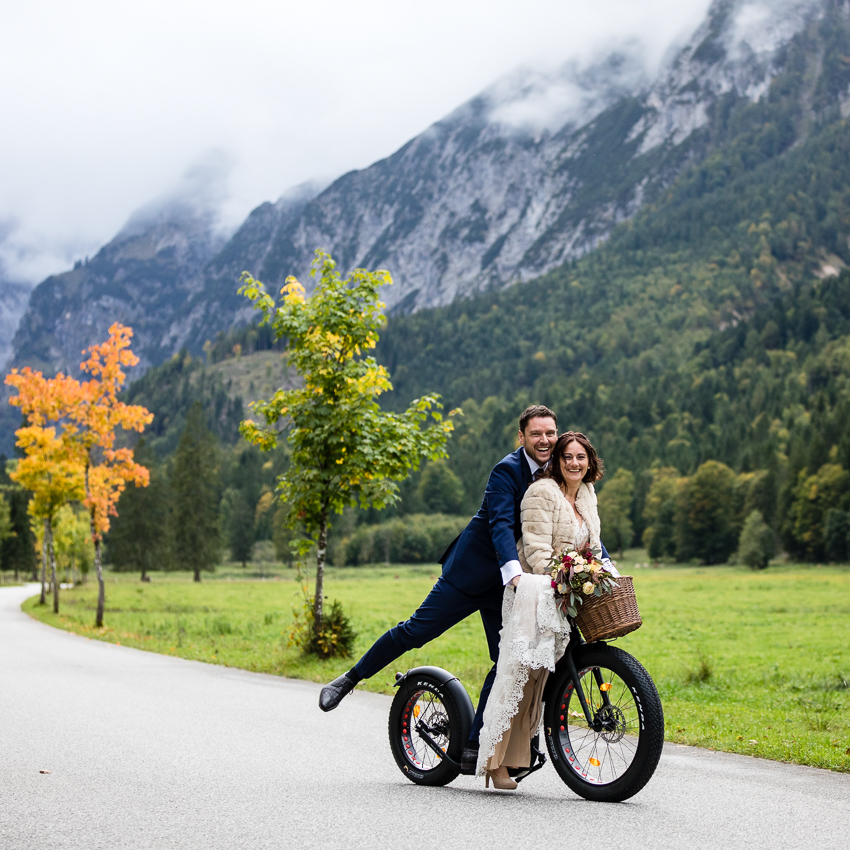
x=44, y=771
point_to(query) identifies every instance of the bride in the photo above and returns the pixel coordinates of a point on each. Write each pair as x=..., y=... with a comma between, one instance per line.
x=558, y=510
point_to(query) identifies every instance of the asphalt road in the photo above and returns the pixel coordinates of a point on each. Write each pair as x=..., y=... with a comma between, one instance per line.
x=148, y=751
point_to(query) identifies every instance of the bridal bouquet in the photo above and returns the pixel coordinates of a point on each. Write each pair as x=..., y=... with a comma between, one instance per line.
x=577, y=574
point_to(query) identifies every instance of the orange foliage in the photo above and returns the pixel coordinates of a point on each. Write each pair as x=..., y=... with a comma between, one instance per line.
x=88, y=413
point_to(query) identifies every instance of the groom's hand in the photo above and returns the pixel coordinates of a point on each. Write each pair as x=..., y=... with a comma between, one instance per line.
x=514, y=581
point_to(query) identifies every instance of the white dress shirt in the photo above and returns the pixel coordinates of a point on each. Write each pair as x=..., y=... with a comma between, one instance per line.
x=512, y=569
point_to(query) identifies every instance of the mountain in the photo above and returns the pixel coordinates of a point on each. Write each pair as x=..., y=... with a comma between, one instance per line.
x=14, y=296
x=714, y=325
x=534, y=172
x=151, y=276
x=502, y=191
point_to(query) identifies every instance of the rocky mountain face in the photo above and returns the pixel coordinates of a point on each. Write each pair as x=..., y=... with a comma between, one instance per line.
x=14, y=296
x=535, y=171
x=493, y=194
x=149, y=276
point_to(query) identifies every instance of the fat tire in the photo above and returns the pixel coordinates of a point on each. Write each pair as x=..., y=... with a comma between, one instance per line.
x=650, y=740
x=445, y=771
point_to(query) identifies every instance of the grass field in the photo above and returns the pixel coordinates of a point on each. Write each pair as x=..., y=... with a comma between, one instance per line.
x=754, y=663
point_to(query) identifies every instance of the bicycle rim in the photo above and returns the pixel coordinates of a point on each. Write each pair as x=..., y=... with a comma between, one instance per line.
x=424, y=714
x=600, y=753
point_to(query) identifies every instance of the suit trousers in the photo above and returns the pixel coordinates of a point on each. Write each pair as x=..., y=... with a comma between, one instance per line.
x=444, y=607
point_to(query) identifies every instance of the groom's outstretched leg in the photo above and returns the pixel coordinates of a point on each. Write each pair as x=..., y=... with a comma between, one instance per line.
x=491, y=617
x=444, y=606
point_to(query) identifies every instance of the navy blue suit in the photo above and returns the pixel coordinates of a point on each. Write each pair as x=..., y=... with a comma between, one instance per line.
x=471, y=579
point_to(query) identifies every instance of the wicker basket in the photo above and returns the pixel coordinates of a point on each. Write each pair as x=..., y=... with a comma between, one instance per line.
x=611, y=615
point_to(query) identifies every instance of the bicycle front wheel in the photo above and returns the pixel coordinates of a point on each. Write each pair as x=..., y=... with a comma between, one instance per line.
x=613, y=757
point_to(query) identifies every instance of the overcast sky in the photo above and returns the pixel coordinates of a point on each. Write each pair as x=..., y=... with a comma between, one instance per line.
x=106, y=105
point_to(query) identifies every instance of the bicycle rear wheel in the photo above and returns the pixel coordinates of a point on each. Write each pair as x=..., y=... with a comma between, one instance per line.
x=613, y=757
x=428, y=722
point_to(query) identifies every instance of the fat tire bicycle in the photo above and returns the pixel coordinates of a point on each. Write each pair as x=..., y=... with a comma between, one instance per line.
x=603, y=723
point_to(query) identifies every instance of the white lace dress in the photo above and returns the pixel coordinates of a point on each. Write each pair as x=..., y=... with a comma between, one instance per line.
x=533, y=638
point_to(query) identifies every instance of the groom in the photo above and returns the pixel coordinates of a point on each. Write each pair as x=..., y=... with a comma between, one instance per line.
x=476, y=568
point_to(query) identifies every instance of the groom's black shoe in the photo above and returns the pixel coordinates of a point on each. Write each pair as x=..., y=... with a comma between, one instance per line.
x=469, y=760
x=332, y=694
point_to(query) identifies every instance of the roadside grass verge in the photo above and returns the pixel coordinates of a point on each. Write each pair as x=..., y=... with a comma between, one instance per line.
x=746, y=662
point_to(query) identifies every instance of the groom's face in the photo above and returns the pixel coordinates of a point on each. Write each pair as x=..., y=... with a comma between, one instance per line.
x=539, y=438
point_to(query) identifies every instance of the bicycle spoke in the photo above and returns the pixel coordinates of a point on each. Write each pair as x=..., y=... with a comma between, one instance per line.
x=604, y=752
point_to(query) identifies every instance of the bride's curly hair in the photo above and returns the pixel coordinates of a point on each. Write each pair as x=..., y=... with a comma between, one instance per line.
x=595, y=467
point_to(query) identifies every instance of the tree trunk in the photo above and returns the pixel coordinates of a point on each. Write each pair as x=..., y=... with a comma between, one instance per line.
x=321, y=551
x=197, y=573
x=101, y=591
x=43, y=600
x=54, y=577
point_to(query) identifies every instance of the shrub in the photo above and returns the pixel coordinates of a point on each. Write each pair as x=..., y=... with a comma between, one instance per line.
x=411, y=539
x=337, y=635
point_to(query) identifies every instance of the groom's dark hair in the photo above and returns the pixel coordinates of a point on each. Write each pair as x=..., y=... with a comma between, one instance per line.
x=533, y=411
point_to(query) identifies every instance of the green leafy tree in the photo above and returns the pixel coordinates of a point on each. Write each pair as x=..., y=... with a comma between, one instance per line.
x=615, y=508
x=72, y=540
x=814, y=497
x=756, y=545
x=440, y=490
x=704, y=517
x=194, y=497
x=343, y=448
x=139, y=538
x=659, y=510
x=836, y=534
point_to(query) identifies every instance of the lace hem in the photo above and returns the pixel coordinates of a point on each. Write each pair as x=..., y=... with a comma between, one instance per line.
x=533, y=636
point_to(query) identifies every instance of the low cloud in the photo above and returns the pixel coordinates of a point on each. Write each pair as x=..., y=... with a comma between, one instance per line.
x=537, y=99
x=201, y=193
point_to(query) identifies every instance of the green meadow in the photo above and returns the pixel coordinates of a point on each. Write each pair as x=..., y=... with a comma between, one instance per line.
x=747, y=662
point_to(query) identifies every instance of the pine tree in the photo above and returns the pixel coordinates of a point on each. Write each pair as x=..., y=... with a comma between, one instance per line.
x=194, y=497
x=139, y=538
x=17, y=552
x=240, y=528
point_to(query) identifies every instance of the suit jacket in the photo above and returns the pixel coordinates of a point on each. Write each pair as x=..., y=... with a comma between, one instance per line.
x=473, y=560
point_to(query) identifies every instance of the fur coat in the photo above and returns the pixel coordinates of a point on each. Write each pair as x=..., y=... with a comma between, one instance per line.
x=549, y=524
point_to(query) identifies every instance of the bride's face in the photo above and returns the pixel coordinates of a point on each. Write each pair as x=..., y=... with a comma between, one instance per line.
x=574, y=463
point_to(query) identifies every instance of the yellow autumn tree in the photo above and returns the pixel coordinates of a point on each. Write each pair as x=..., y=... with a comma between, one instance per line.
x=55, y=478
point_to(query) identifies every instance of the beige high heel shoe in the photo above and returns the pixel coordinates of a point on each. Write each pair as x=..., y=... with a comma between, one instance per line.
x=500, y=783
